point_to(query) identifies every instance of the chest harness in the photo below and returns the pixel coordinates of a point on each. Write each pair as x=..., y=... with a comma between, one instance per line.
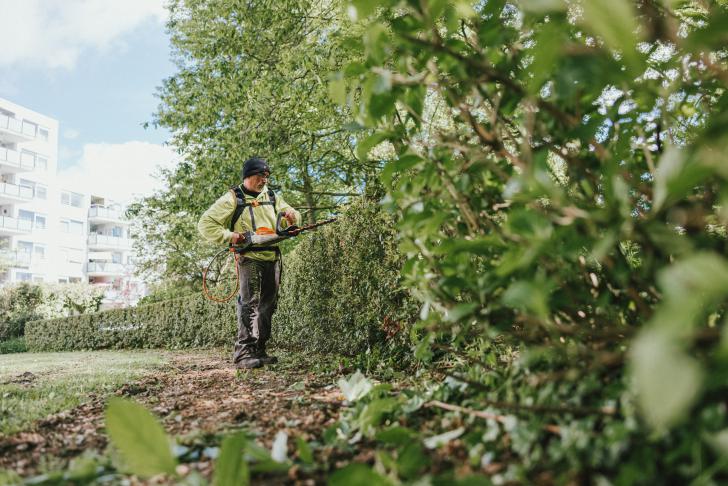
x=241, y=204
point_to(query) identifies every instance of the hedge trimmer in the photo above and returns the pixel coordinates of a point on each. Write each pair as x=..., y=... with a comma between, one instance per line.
x=217, y=278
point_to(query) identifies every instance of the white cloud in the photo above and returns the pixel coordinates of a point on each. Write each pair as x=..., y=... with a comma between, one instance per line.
x=118, y=171
x=71, y=133
x=54, y=33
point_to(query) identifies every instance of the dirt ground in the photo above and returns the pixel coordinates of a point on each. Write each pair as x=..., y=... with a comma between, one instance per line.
x=197, y=396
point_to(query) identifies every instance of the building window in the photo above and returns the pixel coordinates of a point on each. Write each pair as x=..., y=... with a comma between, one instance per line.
x=74, y=279
x=39, y=191
x=62, y=279
x=39, y=251
x=72, y=199
x=41, y=163
x=40, y=222
x=26, y=215
x=43, y=134
x=117, y=231
x=23, y=276
x=116, y=258
x=72, y=226
x=25, y=247
x=26, y=183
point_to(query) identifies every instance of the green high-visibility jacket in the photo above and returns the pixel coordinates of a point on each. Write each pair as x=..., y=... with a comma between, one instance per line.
x=214, y=224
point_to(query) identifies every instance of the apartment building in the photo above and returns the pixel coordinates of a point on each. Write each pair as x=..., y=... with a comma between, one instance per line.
x=48, y=233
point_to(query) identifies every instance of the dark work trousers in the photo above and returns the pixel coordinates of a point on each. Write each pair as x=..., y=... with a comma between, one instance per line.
x=256, y=303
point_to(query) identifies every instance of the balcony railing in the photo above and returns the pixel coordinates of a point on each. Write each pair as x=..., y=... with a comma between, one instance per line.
x=11, y=157
x=21, y=127
x=105, y=267
x=8, y=189
x=16, y=258
x=97, y=211
x=7, y=222
x=96, y=239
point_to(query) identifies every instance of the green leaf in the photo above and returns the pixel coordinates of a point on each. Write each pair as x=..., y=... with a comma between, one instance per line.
x=542, y=6
x=396, y=435
x=530, y=296
x=400, y=164
x=357, y=475
x=411, y=460
x=337, y=90
x=615, y=22
x=139, y=438
x=667, y=380
x=549, y=42
x=364, y=146
x=305, y=454
x=667, y=173
x=231, y=468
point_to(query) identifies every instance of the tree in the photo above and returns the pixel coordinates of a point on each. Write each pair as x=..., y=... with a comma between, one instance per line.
x=251, y=80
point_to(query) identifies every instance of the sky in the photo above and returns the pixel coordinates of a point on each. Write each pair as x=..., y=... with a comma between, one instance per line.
x=95, y=66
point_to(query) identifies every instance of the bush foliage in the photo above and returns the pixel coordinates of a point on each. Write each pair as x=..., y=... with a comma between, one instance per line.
x=178, y=323
x=342, y=288
x=559, y=171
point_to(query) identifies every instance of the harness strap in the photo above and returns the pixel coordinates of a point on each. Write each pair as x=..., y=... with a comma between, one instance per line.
x=241, y=204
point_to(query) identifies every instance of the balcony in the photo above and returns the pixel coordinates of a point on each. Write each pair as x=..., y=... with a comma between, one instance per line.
x=16, y=258
x=104, y=269
x=98, y=241
x=104, y=214
x=13, y=193
x=17, y=131
x=14, y=226
x=13, y=162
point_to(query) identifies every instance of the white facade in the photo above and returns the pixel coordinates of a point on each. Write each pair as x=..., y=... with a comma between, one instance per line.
x=48, y=234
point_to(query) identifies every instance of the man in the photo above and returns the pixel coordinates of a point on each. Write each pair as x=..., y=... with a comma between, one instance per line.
x=259, y=270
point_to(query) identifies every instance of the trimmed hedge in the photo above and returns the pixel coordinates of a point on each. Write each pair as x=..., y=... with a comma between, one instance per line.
x=179, y=323
x=341, y=290
x=340, y=293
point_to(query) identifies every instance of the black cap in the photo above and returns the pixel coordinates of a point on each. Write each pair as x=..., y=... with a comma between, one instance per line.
x=255, y=165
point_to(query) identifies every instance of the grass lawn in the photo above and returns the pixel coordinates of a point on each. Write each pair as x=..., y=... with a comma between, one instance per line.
x=34, y=385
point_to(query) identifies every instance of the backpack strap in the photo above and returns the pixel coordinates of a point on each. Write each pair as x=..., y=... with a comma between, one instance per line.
x=272, y=199
x=240, y=205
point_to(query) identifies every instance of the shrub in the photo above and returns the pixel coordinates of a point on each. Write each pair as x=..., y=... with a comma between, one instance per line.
x=178, y=323
x=341, y=290
x=18, y=305
x=14, y=345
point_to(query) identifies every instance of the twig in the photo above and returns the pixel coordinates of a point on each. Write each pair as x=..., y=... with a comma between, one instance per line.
x=554, y=429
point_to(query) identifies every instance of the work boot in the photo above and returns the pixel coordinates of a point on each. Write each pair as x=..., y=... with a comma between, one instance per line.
x=249, y=363
x=265, y=358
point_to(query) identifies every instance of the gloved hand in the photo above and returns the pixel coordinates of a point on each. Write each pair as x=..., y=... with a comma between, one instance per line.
x=237, y=238
x=290, y=216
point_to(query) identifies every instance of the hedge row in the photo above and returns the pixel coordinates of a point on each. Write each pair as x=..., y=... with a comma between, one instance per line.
x=340, y=293
x=179, y=323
